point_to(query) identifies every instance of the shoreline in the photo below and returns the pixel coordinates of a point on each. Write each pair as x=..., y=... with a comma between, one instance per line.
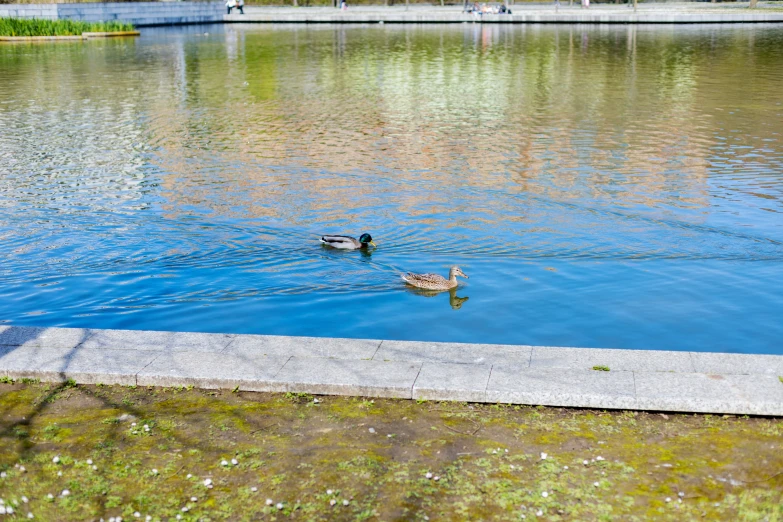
x=698, y=382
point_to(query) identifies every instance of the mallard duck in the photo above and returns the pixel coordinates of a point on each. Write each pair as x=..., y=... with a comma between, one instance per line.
x=347, y=242
x=434, y=281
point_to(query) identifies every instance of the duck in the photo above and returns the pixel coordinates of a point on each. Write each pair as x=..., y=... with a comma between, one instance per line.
x=348, y=242
x=434, y=281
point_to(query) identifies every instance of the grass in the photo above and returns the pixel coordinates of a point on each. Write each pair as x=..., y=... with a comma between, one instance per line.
x=36, y=27
x=601, y=368
x=170, y=452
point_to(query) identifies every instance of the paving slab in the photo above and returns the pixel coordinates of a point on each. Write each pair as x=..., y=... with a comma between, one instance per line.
x=705, y=393
x=561, y=387
x=455, y=353
x=452, y=382
x=157, y=341
x=736, y=363
x=348, y=377
x=251, y=345
x=82, y=365
x=212, y=370
x=616, y=360
x=48, y=337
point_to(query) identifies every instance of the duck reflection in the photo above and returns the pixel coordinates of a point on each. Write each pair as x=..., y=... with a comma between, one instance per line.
x=454, y=300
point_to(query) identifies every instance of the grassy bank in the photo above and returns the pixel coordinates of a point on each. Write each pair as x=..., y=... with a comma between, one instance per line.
x=35, y=27
x=103, y=451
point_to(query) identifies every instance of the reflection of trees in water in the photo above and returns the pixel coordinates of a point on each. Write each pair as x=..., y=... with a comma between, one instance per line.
x=630, y=118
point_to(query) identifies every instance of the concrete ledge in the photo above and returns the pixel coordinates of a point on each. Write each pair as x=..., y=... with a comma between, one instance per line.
x=552, y=376
x=521, y=14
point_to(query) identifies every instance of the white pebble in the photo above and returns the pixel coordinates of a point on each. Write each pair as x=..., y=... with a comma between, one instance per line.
x=137, y=514
x=154, y=471
x=254, y=489
x=148, y=518
x=65, y=493
x=185, y=509
x=668, y=499
x=234, y=462
x=539, y=513
x=315, y=400
x=22, y=469
x=389, y=435
x=95, y=468
x=133, y=423
x=522, y=516
x=332, y=502
x=345, y=502
x=179, y=517
x=279, y=505
x=544, y=494
x=680, y=494
x=543, y=456
x=89, y=461
x=428, y=475
x=269, y=502
x=56, y=460
x=371, y=430
x=59, y=473
x=565, y=467
x=2, y=510
x=596, y=484
x=50, y=496
x=436, y=478
x=207, y=482
x=328, y=491
x=585, y=462
x=189, y=476
x=224, y=463
x=30, y=515
x=25, y=499
x=9, y=510
x=3, y=474
x=599, y=458
x=194, y=499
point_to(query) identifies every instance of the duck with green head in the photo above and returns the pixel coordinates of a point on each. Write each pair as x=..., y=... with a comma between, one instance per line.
x=348, y=242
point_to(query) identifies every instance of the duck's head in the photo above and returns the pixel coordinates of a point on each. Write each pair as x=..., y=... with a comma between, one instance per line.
x=457, y=272
x=365, y=239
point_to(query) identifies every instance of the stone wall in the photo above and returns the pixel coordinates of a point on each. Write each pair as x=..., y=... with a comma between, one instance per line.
x=138, y=13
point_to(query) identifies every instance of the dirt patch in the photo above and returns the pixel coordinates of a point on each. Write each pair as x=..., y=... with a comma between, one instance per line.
x=103, y=451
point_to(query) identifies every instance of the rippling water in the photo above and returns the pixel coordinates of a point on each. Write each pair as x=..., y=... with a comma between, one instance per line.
x=602, y=185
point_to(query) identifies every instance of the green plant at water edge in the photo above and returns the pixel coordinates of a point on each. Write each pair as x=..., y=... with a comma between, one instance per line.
x=601, y=368
x=36, y=27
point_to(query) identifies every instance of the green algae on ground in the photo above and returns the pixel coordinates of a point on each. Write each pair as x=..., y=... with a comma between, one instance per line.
x=103, y=451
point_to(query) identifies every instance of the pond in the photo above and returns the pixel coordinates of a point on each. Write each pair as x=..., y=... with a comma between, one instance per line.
x=602, y=186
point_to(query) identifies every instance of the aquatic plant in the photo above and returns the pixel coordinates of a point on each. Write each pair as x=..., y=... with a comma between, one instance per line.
x=37, y=27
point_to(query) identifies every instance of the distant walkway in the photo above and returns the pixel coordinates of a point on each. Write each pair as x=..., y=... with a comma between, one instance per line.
x=675, y=13
x=575, y=377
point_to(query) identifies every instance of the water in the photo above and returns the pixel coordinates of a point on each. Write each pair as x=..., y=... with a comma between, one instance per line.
x=602, y=186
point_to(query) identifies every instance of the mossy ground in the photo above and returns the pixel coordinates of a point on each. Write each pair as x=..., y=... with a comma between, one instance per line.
x=487, y=458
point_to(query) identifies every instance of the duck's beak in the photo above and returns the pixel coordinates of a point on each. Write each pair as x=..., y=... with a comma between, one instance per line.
x=373, y=244
x=465, y=275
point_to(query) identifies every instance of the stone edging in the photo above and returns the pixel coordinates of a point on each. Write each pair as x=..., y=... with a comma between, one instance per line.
x=83, y=36
x=553, y=376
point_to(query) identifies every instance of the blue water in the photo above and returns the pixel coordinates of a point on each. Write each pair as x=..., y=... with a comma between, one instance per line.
x=601, y=186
